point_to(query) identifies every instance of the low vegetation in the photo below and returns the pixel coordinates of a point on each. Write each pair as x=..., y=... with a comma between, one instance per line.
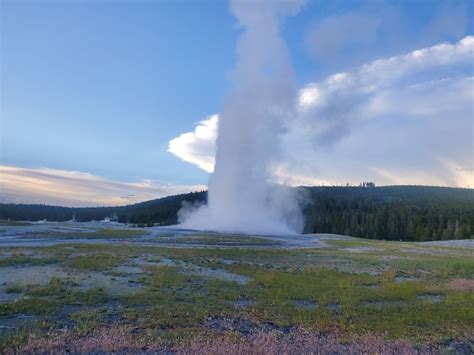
x=372, y=294
x=99, y=233
x=14, y=223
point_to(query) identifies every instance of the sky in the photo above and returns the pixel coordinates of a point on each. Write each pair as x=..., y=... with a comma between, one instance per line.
x=115, y=102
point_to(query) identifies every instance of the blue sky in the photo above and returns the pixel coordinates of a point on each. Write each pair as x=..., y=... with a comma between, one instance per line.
x=102, y=87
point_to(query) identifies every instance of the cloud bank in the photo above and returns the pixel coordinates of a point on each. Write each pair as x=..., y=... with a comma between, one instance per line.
x=78, y=189
x=406, y=119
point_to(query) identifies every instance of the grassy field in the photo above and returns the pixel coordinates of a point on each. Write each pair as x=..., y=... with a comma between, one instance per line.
x=357, y=294
x=13, y=223
x=88, y=233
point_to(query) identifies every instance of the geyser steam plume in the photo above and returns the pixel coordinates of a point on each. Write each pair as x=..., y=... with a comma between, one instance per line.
x=241, y=198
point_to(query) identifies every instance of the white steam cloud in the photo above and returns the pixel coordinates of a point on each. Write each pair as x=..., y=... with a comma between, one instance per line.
x=254, y=116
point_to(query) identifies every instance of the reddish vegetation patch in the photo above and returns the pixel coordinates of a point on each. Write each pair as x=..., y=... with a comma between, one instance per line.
x=104, y=339
x=299, y=342
x=461, y=285
x=122, y=339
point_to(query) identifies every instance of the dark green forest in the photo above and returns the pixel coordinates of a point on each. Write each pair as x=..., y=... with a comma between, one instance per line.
x=411, y=213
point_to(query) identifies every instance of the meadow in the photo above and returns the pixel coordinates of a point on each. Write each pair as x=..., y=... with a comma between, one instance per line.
x=122, y=289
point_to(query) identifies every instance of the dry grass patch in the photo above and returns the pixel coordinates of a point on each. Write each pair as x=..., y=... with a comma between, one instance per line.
x=461, y=285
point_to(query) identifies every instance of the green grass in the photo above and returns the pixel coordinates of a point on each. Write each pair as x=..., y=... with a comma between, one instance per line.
x=14, y=289
x=94, y=262
x=4, y=222
x=173, y=299
x=32, y=305
x=440, y=267
x=46, y=300
x=211, y=239
x=24, y=260
x=353, y=292
x=102, y=233
x=119, y=233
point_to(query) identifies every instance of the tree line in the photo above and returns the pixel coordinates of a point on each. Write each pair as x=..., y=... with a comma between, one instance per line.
x=411, y=213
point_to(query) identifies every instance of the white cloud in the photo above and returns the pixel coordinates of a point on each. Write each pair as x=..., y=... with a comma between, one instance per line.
x=308, y=97
x=403, y=119
x=197, y=147
x=74, y=188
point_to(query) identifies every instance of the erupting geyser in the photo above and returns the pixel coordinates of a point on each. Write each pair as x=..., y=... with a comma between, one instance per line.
x=241, y=198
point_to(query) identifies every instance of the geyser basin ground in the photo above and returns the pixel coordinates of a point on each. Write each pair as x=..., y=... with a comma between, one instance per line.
x=67, y=284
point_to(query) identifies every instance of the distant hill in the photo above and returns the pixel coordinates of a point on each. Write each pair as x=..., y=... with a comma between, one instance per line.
x=163, y=211
x=416, y=213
